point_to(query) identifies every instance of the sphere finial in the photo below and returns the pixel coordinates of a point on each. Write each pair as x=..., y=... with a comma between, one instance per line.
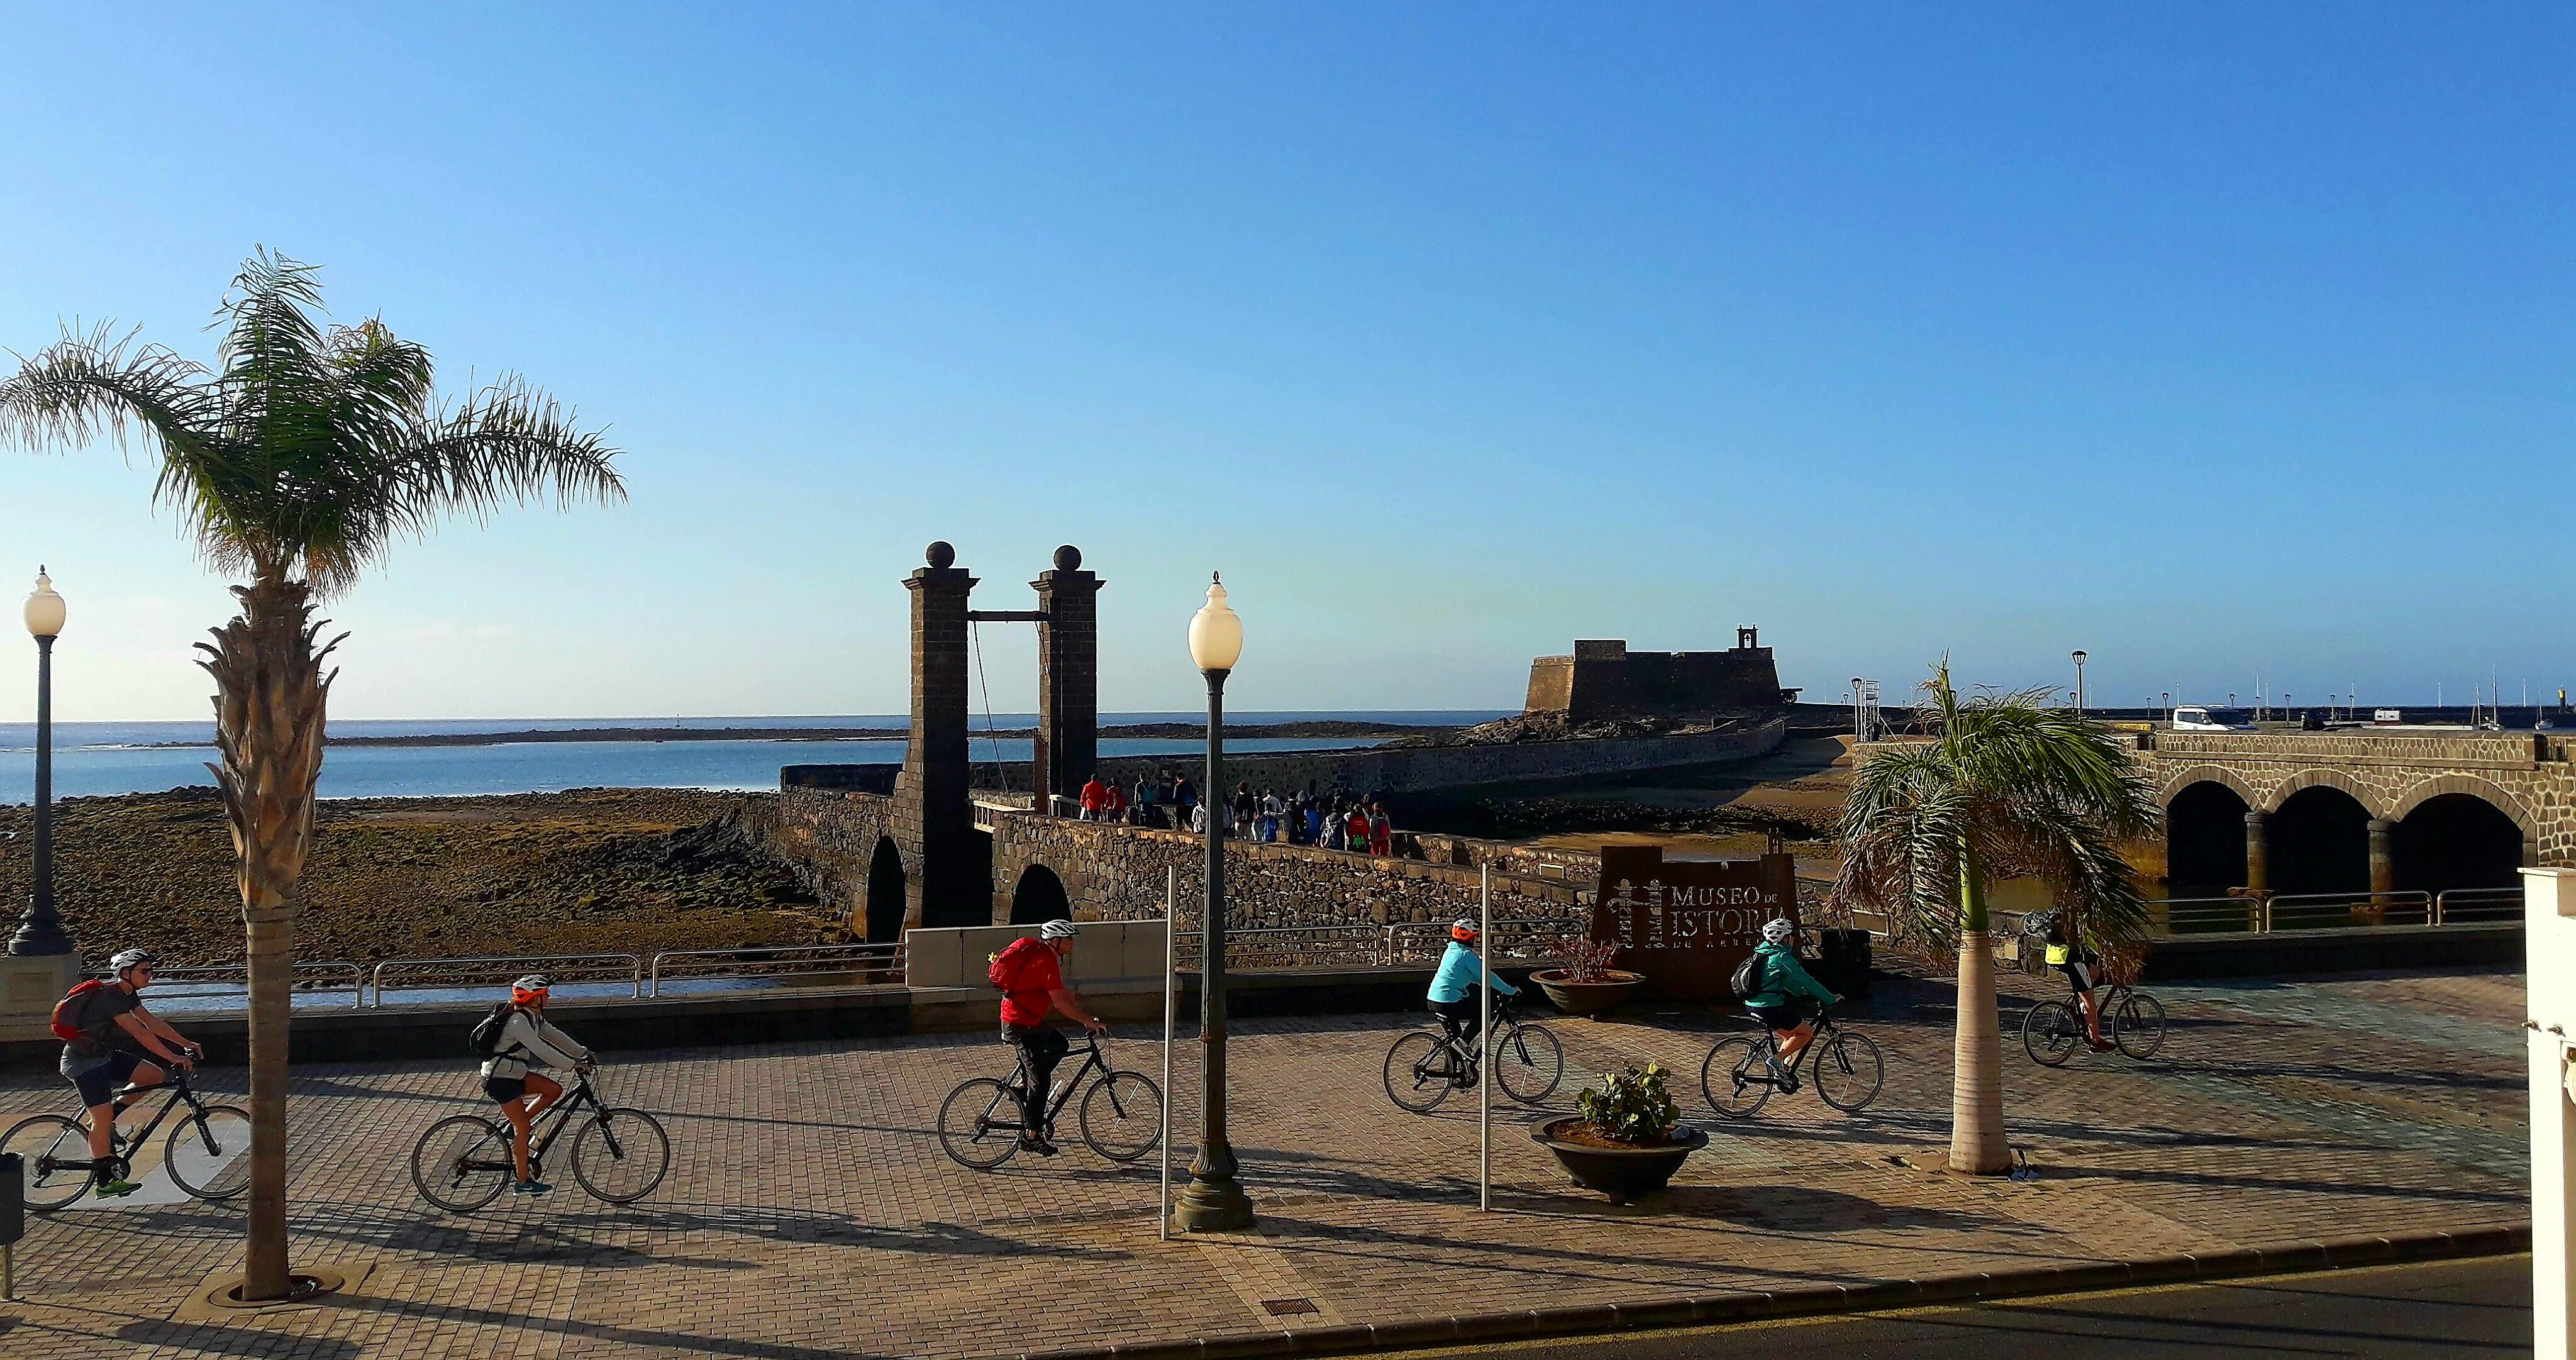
x=940, y=555
x=1068, y=558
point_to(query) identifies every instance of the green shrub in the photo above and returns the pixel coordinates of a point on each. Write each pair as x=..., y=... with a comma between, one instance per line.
x=1631, y=1106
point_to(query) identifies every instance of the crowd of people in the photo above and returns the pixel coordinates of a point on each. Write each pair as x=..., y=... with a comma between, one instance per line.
x=1326, y=820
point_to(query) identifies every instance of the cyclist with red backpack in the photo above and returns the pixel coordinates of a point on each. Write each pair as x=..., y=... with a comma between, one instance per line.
x=108, y=1040
x=1030, y=973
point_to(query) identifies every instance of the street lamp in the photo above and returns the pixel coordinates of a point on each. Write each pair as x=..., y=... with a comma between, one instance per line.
x=1212, y=1201
x=2079, y=680
x=42, y=931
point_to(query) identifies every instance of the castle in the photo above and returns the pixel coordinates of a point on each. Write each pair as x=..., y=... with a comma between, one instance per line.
x=1603, y=679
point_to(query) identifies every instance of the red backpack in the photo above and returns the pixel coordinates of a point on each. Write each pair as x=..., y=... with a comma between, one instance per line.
x=1006, y=968
x=73, y=1002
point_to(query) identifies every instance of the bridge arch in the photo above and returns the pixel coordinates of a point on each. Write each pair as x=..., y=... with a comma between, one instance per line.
x=1040, y=897
x=2322, y=778
x=2184, y=778
x=2318, y=838
x=2458, y=839
x=2205, y=837
x=881, y=921
x=2471, y=786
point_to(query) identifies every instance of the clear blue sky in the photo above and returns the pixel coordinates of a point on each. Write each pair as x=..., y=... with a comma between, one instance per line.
x=2208, y=338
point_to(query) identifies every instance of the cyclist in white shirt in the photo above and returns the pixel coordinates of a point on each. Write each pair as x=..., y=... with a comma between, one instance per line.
x=528, y=1042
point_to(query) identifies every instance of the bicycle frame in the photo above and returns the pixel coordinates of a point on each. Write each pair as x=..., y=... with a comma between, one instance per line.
x=581, y=1094
x=1455, y=1044
x=180, y=1092
x=1826, y=1027
x=1092, y=1058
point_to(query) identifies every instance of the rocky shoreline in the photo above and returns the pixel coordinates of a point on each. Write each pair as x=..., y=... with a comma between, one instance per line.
x=587, y=870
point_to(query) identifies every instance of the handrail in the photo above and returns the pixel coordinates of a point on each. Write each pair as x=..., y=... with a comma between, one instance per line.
x=634, y=968
x=887, y=956
x=228, y=972
x=2474, y=899
x=2322, y=904
x=1567, y=926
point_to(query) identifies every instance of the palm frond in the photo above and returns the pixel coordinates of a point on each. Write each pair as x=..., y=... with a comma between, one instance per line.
x=1902, y=829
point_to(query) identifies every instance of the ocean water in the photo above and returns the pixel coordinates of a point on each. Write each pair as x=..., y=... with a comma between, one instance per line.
x=110, y=758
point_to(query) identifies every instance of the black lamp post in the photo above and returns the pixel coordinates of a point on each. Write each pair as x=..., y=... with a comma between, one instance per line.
x=2079, y=681
x=42, y=931
x=1212, y=1201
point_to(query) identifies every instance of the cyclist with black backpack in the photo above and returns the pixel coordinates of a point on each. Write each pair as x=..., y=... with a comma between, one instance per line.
x=514, y=1041
x=1031, y=976
x=1781, y=994
x=109, y=1042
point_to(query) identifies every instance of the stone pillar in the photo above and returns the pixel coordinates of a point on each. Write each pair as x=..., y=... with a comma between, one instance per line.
x=1068, y=744
x=2383, y=856
x=30, y=984
x=934, y=822
x=2258, y=857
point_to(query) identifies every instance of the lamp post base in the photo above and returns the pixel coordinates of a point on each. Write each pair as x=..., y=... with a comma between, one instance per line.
x=1212, y=1206
x=30, y=984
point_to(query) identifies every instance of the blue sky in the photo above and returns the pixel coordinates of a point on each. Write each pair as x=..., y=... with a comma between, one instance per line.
x=2212, y=339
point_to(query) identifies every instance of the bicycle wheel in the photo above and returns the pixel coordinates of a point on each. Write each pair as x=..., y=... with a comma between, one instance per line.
x=1735, y=1080
x=1122, y=1116
x=463, y=1162
x=2050, y=1032
x=44, y=1143
x=1848, y=1070
x=209, y=1153
x=2138, y=1026
x=620, y=1155
x=1528, y=1063
x=979, y=1124
x=1417, y=1072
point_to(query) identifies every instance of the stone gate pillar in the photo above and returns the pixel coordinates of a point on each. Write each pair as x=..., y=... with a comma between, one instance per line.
x=2258, y=859
x=1068, y=744
x=2383, y=856
x=934, y=823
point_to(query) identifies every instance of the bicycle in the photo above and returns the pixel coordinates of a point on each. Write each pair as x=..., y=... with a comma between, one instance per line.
x=1122, y=1113
x=1847, y=1071
x=1424, y=1066
x=620, y=1155
x=2135, y=1021
x=207, y=1152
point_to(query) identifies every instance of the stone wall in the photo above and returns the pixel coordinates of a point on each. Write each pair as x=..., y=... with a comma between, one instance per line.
x=828, y=837
x=1603, y=679
x=1423, y=768
x=2525, y=775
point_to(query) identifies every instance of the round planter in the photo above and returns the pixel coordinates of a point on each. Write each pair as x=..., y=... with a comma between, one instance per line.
x=1623, y=1174
x=1587, y=998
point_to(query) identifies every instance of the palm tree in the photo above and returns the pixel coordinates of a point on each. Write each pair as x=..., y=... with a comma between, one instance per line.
x=295, y=463
x=2006, y=788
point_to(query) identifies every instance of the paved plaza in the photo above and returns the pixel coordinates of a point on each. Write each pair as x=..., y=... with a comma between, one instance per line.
x=809, y=1211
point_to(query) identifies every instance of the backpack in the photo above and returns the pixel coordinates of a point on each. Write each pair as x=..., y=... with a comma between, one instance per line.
x=1005, y=968
x=67, y=1011
x=1747, y=982
x=485, y=1037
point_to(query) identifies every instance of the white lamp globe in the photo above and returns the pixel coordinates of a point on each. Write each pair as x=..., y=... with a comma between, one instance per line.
x=1216, y=632
x=44, y=608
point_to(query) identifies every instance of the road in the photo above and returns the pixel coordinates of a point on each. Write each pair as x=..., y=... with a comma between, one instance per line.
x=2448, y=1309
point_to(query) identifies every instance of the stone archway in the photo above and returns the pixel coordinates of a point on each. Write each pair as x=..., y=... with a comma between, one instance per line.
x=1039, y=898
x=2320, y=840
x=2457, y=840
x=2205, y=839
x=882, y=920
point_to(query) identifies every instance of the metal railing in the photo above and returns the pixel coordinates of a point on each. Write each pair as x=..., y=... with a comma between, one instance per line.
x=218, y=982
x=2199, y=915
x=2311, y=911
x=866, y=964
x=2464, y=905
x=1539, y=939
x=1290, y=947
x=497, y=970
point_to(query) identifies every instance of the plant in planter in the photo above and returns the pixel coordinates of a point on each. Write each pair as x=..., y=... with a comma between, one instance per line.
x=1587, y=984
x=1629, y=1140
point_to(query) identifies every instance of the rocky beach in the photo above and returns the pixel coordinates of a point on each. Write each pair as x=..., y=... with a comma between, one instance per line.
x=579, y=871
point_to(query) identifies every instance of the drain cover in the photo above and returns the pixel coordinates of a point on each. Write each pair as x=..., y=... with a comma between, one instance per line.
x=1287, y=1307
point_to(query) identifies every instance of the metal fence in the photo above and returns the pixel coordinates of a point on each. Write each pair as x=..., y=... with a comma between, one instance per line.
x=209, y=985
x=2269, y=913
x=2465, y=905
x=856, y=965
x=603, y=972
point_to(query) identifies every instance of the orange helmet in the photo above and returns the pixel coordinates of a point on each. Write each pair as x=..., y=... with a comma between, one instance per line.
x=530, y=989
x=1462, y=930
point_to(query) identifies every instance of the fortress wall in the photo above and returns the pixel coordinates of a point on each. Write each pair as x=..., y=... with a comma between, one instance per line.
x=1413, y=768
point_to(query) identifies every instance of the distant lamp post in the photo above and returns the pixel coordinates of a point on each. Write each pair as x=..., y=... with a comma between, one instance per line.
x=2165, y=701
x=42, y=931
x=1212, y=1201
x=2079, y=680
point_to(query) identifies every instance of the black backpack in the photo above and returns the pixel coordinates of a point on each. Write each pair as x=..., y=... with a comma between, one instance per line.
x=486, y=1035
x=1747, y=982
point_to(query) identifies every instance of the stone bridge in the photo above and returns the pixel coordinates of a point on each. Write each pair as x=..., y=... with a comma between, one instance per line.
x=2356, y=810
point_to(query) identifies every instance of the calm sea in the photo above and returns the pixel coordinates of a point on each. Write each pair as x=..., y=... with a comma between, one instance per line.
x=106, y=758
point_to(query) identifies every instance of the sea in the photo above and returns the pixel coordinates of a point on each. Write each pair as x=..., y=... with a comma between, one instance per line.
x=97, y=758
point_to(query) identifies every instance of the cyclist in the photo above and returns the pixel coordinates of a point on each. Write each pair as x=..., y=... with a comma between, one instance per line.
x=527, y=1042
x=1785, y=999
x=1453, y=988
x=1032, y=977
x=2068, y=954
x=118, y=1041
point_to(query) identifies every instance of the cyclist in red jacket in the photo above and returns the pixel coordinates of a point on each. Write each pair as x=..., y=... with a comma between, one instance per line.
x=1033, y=983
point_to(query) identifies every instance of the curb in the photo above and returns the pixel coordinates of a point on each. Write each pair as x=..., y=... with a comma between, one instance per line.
x=1821, y=1300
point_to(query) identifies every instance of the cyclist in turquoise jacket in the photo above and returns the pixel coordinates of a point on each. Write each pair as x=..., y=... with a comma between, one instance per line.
x=1453, y=988
x=1785, y=998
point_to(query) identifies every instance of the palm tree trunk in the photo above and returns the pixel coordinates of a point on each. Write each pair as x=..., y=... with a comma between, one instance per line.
x=270, y=693
x=1977, y=1144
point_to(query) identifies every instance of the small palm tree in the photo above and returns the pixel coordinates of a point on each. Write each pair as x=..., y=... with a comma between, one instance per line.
x=295, y=463
x=2006, y=788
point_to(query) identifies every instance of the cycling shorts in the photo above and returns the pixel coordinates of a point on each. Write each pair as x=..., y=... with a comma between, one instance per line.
x=505, y=1089
x=2080, y=974
x=98, y=1084
x=1788, y=1015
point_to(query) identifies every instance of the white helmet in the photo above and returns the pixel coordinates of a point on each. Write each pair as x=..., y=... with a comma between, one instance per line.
x=131, y=958
x=1777, y=929
x=1058, y=930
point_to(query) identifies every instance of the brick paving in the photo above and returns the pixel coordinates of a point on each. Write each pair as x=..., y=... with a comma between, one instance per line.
x=809, y=1211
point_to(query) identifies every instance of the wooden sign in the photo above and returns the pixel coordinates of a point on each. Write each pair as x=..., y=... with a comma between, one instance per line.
x=1687, y=923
